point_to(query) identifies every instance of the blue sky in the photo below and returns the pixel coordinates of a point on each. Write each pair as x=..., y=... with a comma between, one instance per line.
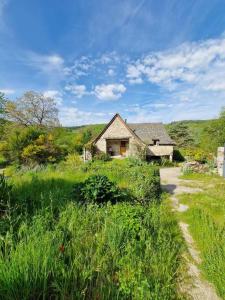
x=148, y=60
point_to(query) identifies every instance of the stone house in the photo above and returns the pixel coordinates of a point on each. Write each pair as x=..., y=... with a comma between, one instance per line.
x=120, y=139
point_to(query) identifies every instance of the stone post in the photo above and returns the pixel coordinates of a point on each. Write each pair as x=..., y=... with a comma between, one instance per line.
x=221, y=161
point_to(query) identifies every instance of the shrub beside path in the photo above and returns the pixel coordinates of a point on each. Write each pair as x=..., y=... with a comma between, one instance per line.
x=198, y=288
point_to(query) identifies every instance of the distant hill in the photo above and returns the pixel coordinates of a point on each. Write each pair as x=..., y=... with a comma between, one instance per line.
x=196, y=127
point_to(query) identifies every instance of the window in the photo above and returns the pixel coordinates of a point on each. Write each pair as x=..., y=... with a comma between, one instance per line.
x=155, y=142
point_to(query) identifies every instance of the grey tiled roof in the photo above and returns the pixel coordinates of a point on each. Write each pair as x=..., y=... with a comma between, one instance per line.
x=148, y=132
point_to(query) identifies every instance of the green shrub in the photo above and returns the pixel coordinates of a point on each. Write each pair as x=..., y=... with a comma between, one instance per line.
x=99, y=189
x=187, y=170
x=196, y=154
x=73, y=161
x=146, y=184
x=134, y=162
x=43, y=151
x=166, y=162
x=102, y=156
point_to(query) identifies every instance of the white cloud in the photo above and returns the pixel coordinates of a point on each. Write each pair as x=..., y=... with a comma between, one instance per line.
x=191, y=64
x=55, y=95
x=72, y=116
x=111, y=72
x=46, y=63
x=78, y=90
x=108, y=92
x=2, y=6
x=7, y=91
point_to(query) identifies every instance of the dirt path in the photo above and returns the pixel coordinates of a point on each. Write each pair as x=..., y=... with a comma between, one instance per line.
x=198, y=289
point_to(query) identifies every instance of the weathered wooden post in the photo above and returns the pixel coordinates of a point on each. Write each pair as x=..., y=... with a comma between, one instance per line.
x=221, y=161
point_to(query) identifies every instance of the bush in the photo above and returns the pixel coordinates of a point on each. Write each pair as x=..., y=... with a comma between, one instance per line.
x=102, y=156
x=146, y=184
x=73, y=161
x=42, y=153
x=196, y=154
x=164, y=162
x=99, y=189
x=134, y=162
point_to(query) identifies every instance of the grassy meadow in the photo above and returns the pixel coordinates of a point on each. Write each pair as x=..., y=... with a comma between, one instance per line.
x=53, y=246
x=206, y=217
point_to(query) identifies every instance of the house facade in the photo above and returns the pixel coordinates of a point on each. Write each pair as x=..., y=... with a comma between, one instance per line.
x=120, y=139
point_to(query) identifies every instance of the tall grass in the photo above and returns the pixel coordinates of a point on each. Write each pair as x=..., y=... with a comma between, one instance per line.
x=206, y=216
x=62, y=250
x=115, y=252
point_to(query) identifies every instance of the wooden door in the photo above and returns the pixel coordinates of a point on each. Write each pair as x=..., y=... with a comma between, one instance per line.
x=123, y=148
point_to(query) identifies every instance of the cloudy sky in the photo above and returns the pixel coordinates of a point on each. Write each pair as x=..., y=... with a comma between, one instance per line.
x=148, y=60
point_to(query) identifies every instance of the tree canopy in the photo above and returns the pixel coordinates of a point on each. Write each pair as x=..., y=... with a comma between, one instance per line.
x=2, y=104
x=181, y=134
x=214, y=134
x=33, y=109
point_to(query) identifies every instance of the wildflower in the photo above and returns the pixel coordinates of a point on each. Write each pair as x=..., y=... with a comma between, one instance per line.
x=61, y=248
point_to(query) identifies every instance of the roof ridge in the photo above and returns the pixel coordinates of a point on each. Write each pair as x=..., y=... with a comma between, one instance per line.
x=145, y=123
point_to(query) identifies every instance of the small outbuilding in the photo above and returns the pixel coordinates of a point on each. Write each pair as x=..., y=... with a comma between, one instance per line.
x=121, y=139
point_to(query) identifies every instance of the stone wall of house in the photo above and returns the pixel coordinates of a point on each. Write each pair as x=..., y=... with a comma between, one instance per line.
x=117, y=130
x=221, y=161
x=160, y=150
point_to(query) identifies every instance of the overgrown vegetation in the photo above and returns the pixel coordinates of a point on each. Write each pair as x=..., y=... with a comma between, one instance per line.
x=199, y=140
x=55, y=247
x=207, y=225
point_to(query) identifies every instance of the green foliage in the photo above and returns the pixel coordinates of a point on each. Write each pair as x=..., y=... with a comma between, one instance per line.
x=56, y=248
x=99, y=189
x=165, y=162
x=3, y=102
x=5, y=193
x=43, y=150
x=30, y=145
x=73, y=161
x=181, y=134
x=134, y=162
x=102, y=156
x=16, y=138
x=205, y=217
x=196, y=154
x=214, y=134
x=146, y=184
x=206, y=134
x=115, y=252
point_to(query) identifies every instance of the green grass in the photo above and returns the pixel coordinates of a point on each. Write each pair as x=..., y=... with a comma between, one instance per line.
x=60, y=249
x=2, y=160
x=206, y=216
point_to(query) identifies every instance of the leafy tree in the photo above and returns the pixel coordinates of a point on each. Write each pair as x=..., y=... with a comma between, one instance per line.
x=17, y=137
x=181, y=134
x=214, y=134
x=33, y=109
x=3, y=102
x=222, y=113
x=87, y=135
